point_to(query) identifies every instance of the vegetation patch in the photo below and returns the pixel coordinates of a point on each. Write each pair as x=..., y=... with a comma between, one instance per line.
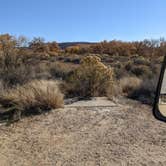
x=32, y=98
x=91, y=78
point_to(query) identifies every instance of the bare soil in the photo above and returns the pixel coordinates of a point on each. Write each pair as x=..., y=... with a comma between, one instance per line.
x=86, y=133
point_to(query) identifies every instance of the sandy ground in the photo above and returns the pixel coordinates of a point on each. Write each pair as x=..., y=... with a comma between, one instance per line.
x=86, y=133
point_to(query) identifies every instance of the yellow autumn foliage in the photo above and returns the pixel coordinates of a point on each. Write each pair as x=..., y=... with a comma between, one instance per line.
x=92, y=78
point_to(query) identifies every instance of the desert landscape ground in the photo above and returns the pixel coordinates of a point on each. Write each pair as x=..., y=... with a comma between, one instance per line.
x=80, y=83
x=80, y=103
x=123, y=132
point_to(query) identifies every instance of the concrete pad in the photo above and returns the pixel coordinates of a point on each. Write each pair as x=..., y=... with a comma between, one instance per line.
x=94, y=102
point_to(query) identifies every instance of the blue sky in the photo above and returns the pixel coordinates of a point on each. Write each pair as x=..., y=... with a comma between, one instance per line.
x=84, y=20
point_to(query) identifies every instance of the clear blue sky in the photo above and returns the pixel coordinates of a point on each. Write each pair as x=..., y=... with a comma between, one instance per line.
x=84, y=20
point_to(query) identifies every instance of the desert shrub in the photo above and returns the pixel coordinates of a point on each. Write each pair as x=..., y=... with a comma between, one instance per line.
x=141, y=61
x=120, y=72
x=53, y=47
x=75, y=61
x=73, y=58
x=61, y=70
x=114, y=91
x=42, y=70
x=155, y=68
x=73, y=49
x=129, y=84
x=15, y=75
x=142, y=71
x=146, y=91
x=137, y=70
x=38, y=45
x=91, y=78
x=138, y=89
x=118, y=65
x=104, y=57
x=159, y=60
x=34, y=97
x=52, y=54
x=14, y=70
x=128, y=66
x=1, y=86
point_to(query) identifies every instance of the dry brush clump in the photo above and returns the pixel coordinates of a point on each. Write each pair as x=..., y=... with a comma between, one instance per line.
x=146, y=91
x=61, y=70
x=13, y=68
x=139, y=68
x=139, y=89
x=91, y=78
x=31, y=98
x=129, y=84
x=141, y=71
x=140, y=60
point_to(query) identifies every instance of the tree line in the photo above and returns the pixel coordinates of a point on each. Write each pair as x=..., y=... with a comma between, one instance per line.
x=146, y=48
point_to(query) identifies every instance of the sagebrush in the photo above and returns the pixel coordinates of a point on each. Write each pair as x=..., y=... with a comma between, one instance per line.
x=91, y=78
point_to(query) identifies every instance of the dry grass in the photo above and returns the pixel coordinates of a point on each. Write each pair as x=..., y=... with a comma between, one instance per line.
x=34, y=97
x=114, y=90
x=138, y=89
x=60, y=70
x=129, y=84
x=146, y=91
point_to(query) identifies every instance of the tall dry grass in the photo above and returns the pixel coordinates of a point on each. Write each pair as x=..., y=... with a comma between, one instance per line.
x=34, y=97
x=129, y=84
x=146, y=91
x=138, y=89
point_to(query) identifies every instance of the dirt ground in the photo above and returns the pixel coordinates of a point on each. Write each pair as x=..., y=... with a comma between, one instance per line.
x=86, y=133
